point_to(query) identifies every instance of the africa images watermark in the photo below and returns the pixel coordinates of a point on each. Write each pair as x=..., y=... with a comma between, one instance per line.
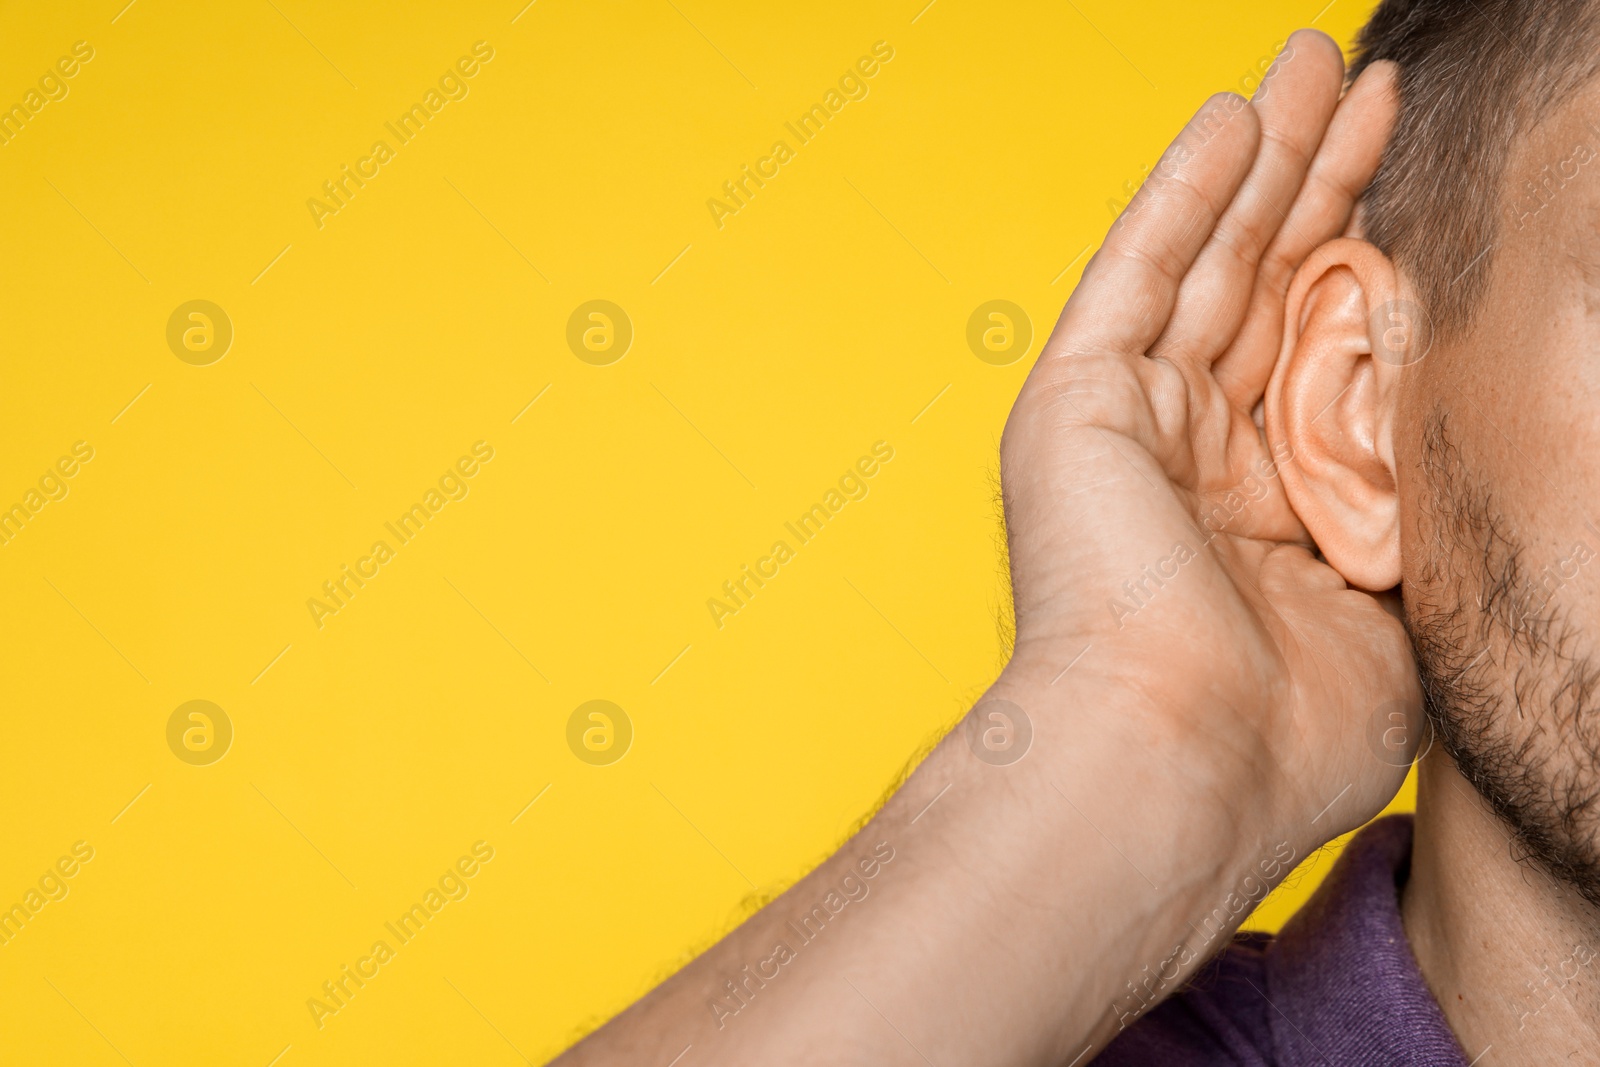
x=852, y=85
x=52, y=886
x=51, y=86
x=1141, y=589
x=339, y=991
x=1540, y=191
x=752, y=978
x=852, y=485
x=1148, y=988
x=1552, y=984
x=1524, y=605
x=452, y=85
x=452, y=485
x=52, y=485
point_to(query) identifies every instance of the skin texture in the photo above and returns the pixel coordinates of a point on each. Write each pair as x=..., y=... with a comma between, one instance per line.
x=1463, y=467
x=1184, y=744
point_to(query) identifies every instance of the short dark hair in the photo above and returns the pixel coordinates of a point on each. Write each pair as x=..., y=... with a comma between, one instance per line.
x=1473, y=75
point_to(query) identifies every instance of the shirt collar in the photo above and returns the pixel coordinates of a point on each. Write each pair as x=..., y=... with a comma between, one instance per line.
x=1341, y=980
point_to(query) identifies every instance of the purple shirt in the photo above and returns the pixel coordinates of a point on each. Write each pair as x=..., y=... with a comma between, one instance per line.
x=1338, y=987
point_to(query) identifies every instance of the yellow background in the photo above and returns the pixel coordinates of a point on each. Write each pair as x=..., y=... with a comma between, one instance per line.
x=370, y=353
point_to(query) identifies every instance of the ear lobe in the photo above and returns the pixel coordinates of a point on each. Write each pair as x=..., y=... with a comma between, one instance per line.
x=1331, y=401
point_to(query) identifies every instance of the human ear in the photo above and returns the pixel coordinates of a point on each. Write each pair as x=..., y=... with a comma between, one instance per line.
x=1351, y=326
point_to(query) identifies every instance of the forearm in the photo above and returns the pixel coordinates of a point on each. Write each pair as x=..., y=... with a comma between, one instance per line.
x=989, y=914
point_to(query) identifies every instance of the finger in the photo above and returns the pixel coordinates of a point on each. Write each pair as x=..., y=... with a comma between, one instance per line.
x=1127, y=290
x=1345, y=164
x=1293, y=567
x=1295, y=103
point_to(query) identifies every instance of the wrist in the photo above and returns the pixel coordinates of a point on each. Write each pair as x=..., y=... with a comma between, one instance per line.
x=1191, y=799
x=1185, y=835
x=1209, y=748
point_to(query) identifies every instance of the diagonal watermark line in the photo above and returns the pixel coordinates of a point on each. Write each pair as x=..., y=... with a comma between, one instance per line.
x=303, y=436
x=1332, y=802
x=130, y=404
x=96, y=629
x=898, y=230
x=712, y=43
x=892, y=1026
x=302, y=834
x=523, y=12
x=1103, y=837
x=281, y=1055
x=931, y=803
x=1289, y=1021
x=930, y=403
x=486, y=1019
x=1113, y=45
x=497, y=630
x=313, y=45
x=531, y=803
x=897, y=630
x=269, y=266
x=1471, y=664
x=97, y=230
x=132, y=802
x=86, y=1019
x=702, y=433
x=923, y=12
x=1073, y=664
x=669, y=266
x=1330, y=403
x=680, y=1055
x=269, y=666
x=1497, y=29
x=497, y=230
x=669, y=666
x=1321, y=13
x=1069, y=266
x=1486, y=250
x=530, y=404
x=123, y=12
x=702, y=833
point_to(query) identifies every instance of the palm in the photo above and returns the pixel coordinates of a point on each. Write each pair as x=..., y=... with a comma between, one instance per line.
x=1158, y=533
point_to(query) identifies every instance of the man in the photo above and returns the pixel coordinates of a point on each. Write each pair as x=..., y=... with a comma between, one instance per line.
x=1252, y=364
